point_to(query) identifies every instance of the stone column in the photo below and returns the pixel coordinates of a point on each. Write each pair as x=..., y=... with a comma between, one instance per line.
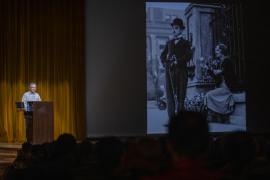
x=198, y=17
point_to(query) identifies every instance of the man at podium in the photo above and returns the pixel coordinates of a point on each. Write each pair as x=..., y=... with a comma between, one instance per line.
x=30, y=96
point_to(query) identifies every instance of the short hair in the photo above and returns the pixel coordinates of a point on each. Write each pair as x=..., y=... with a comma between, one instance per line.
x=66, y=143
x=223, y=48
x=188, y=133
x=26, y=146
x=32, y=84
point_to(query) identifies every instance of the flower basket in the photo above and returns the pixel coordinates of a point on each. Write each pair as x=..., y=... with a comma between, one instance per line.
x=196, y=103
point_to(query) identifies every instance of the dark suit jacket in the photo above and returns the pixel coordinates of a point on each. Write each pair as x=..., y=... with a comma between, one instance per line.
x=181, y=50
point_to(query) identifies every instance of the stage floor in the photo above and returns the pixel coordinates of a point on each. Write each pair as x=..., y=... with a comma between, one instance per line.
x=13, y=145
x=8, y=153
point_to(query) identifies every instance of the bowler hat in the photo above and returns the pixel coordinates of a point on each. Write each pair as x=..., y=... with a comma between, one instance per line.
x=178, y=22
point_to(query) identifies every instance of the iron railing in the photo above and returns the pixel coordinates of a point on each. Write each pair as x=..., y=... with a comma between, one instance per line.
x=227, y=28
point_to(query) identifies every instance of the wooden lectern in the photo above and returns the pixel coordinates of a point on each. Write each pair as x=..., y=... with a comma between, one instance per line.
x=41, y=128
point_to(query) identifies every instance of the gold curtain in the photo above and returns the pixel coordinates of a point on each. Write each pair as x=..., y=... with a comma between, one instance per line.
x=42, y=41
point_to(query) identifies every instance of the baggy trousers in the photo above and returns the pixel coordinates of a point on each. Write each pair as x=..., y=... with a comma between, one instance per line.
x=179, y=79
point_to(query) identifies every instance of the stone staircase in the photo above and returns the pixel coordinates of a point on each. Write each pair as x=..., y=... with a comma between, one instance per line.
x=7, y=156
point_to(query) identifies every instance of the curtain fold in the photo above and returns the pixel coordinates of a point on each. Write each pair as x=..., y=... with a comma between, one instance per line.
x=42, y=42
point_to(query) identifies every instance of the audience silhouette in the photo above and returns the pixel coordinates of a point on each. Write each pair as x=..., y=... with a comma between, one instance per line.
x=188, y=140
x=186, y=153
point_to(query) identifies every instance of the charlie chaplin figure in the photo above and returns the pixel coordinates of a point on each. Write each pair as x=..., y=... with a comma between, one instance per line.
x=174, y=59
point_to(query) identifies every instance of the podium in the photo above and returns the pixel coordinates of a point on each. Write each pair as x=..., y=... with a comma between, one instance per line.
x=41, y=127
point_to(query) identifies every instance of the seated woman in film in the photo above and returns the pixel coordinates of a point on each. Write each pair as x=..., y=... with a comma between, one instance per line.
x=220, y=100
